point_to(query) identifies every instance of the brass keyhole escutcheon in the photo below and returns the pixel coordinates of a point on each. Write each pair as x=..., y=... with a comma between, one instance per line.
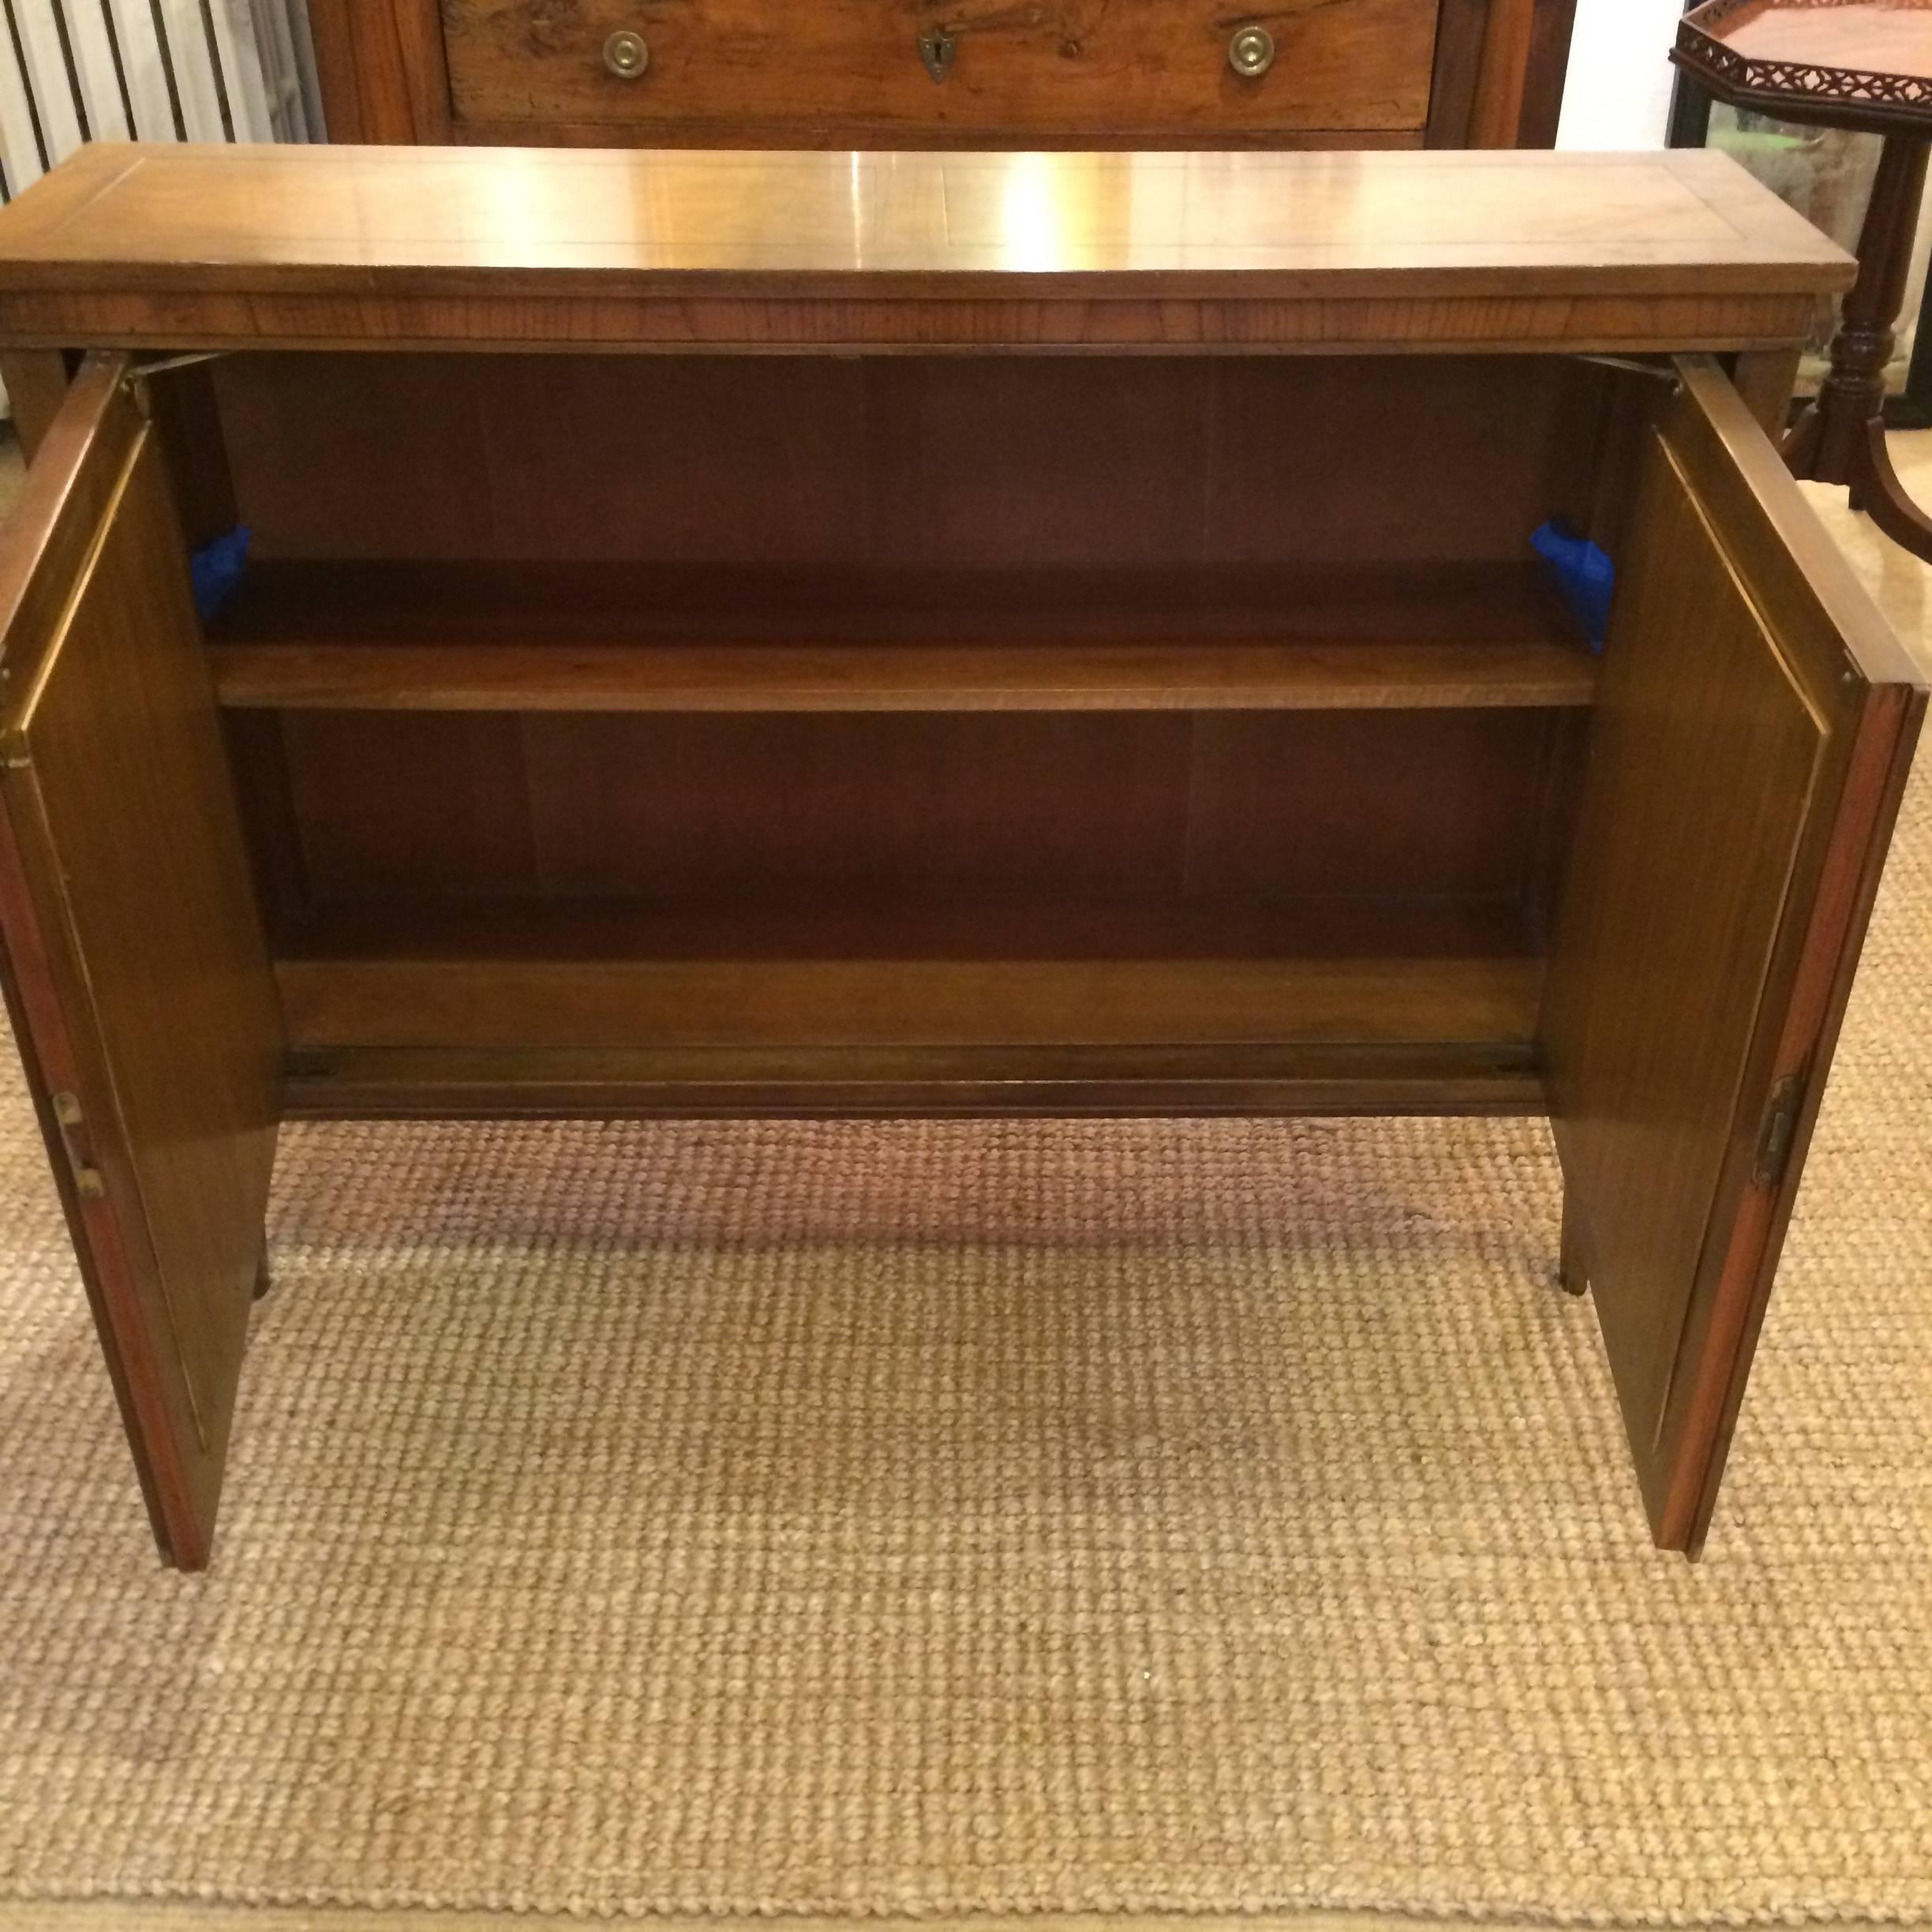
x=936, y=49
x=1251, y=53
x=626, y=54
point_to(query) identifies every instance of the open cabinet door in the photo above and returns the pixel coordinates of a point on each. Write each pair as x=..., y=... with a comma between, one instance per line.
x=137, y=977
x=1755, y=721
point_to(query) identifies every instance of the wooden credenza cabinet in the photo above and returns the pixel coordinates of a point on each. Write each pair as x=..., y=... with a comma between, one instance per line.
x=810, y=634
x=912, y=73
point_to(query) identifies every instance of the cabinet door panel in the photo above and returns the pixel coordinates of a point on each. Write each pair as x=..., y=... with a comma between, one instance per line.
x=136, y=973
x=1753, y=721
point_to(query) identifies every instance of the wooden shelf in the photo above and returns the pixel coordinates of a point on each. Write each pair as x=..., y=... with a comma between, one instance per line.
x=499, y=976
x=732, y=1083
x=382, y=636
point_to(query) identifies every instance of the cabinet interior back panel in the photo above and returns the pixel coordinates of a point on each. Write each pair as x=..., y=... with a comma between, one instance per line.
x=1173, y=806
x=910, y=463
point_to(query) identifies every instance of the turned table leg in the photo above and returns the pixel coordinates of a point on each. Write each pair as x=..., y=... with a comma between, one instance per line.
x=1841, y=438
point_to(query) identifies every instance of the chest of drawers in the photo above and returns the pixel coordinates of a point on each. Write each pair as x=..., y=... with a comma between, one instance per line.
x=899, y=73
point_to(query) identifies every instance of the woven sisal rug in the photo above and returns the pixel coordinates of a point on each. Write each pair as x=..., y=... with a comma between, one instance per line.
x=929, y=1518
x=925, y=1518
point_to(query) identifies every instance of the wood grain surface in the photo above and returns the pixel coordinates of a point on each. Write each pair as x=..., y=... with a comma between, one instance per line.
x=582, y=639
x=198, y=245
x=956, y=732
x=1870, y=36
x=1056, y=71
x=136, y=953
x=516, y=72
x=1749, y=736
x=770, y=972
x=1098, y=496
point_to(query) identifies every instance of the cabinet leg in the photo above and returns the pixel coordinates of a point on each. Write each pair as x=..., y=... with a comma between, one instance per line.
x=1570, y=1276
x=1800, y=445
x=1767, y=378
x=36, y=385
x=264, y=1277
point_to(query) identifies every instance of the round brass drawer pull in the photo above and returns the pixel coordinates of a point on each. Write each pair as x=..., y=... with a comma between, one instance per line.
x=1251, y=53
x=626, y=54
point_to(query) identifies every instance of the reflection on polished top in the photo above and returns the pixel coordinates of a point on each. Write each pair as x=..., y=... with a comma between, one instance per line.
x=355, y=221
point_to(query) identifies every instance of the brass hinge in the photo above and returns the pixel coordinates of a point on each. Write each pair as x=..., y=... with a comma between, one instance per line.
x=140, y=372
x=1779, y=1130
x=136, y=380
x=1662, y=372
x=89, y=1183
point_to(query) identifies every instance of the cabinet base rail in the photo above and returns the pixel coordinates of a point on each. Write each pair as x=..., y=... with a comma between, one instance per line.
x=717, y=1083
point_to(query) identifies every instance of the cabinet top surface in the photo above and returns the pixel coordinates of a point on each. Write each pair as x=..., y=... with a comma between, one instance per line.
x=203, y=225
x=194, y=210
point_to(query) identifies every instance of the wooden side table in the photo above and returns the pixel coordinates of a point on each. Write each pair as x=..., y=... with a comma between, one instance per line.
x=1865, y=65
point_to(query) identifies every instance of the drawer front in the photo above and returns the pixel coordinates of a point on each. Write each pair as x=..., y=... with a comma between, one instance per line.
x=1102, y=73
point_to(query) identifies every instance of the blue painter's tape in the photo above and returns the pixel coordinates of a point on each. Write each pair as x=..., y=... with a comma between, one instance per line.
x=1585, y=575
x=216, y=568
